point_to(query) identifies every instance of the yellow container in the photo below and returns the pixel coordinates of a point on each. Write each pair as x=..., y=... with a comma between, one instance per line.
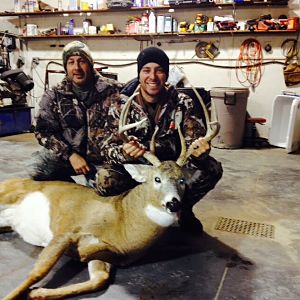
x=84, y=5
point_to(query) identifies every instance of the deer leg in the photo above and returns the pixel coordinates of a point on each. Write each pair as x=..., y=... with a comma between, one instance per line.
x=99, y=275
x=46, y=260
x=89, y=251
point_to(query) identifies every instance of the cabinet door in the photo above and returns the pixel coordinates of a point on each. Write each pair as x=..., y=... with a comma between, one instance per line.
x=7, y=122
x=22, y=120
x=15, y=120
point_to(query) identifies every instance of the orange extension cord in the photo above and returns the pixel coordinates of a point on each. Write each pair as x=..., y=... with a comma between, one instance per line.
x=249, y=63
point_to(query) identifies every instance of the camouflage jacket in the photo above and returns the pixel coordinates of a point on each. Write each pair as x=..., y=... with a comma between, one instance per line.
x=178, y=108
x=65, y=124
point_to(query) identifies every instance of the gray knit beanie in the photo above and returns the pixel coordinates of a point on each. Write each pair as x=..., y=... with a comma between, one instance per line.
x=154, y=55
x=77, y=48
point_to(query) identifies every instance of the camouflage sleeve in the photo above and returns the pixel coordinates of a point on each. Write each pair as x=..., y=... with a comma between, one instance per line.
x=111, y=149
x=193, y=120
x=194, y=125
x=210, y=170
x=48, y=130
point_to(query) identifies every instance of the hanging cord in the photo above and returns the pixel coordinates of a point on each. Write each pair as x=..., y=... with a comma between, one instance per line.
x=290, y=50
x=249, y=63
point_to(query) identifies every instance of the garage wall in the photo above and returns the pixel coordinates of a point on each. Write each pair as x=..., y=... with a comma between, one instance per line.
x=120, y=55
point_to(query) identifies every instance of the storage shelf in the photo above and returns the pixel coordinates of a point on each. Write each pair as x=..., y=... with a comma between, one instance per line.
x=108, y=10
x=148, y=36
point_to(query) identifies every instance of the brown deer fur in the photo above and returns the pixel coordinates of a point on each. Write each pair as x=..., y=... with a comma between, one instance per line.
x=101, y=230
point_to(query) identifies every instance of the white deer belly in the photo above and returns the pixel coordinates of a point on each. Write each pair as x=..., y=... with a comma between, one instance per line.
x=30, y=219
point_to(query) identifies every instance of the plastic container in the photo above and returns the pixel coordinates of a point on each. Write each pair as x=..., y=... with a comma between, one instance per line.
x=229, y=109
x=160, y=24
x=285, y=123
x=71, y=27
x=15, y=120
x=152, y=22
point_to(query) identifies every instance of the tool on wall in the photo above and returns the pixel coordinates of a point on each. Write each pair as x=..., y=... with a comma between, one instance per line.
x=206, y=50
x=291, y=70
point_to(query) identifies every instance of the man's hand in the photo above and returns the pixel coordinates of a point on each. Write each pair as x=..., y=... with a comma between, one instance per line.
x=199, y=147
x=79, y=164
x=134, y=149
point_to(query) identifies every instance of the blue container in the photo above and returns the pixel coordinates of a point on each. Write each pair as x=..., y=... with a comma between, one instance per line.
x=15, y=120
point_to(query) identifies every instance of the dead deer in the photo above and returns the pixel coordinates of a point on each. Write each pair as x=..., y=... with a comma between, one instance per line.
x=102, y=231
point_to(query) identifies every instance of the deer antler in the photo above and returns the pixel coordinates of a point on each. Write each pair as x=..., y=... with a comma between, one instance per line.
x=213, y=128
x=149, y=155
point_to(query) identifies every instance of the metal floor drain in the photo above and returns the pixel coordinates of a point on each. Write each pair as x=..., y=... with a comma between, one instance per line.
x=245, y=227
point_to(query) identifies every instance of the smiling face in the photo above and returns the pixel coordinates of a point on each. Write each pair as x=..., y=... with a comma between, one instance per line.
x=78, y=70
x=152, y=79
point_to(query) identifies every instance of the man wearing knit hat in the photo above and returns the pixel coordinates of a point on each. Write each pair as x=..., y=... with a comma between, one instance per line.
x=71, y=119
x=164, y=108
x=78, y=51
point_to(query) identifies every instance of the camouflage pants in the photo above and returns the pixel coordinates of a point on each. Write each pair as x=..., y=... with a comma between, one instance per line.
x=46, y=166
x=107, y=180
x=204, y=178
x=112, y=180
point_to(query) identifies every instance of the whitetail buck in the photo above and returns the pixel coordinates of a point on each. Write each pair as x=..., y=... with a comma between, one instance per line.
x=102, y=231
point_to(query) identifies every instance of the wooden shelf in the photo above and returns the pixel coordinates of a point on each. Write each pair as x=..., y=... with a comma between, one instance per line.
x=108, y=10
x=147, y=36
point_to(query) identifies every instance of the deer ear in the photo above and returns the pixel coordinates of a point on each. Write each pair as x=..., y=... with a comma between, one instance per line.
x=138, y=172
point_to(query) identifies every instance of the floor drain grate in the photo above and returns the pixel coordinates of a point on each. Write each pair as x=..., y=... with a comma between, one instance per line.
x=245, y=227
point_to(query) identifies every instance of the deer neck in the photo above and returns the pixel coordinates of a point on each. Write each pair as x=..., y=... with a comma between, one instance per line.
x=140, y=210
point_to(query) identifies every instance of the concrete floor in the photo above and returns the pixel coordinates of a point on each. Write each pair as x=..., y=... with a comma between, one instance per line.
x=259, y=186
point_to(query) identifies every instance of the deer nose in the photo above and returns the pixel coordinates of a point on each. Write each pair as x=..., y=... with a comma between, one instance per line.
x=174, y=205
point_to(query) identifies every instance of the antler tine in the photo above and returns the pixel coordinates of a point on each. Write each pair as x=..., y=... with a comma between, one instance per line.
x=183, y=155
x=211, y=131
x=210, y=134
x=152, y=141
x=149, y=155
x=123, y=116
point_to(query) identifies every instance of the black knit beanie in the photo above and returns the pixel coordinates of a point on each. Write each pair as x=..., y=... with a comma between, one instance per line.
x=153, y=55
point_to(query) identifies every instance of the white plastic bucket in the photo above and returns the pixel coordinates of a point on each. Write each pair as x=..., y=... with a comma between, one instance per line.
x=285, y=123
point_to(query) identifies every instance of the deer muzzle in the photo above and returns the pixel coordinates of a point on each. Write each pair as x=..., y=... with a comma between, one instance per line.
x=174, y=205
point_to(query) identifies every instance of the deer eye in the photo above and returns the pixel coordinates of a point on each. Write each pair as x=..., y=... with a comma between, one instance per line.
x=157, y=179
x=182, y=181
